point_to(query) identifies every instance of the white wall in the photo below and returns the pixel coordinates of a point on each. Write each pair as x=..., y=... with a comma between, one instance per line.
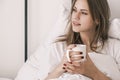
x=42, y=17
x=114, y=6
x=11, y=37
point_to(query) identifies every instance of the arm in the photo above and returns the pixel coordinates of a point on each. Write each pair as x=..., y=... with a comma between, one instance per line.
x=58, y=71
x=94, y=72
x=100, y=76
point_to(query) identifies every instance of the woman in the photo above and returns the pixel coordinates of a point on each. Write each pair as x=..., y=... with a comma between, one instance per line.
x=88, y=25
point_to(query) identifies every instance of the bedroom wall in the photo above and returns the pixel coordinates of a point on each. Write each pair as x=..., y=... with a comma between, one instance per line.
x=11, y=37
x=42, y=17
x=114, y=6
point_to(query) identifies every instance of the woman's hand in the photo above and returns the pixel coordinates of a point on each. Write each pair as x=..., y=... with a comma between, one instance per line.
x=64, y=59
x=86, y=68
x=60, y=68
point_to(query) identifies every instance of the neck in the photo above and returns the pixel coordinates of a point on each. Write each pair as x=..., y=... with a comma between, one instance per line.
x=87, y=37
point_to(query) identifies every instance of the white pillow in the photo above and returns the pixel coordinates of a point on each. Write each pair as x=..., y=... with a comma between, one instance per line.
x=61, y=23
x=114, y=30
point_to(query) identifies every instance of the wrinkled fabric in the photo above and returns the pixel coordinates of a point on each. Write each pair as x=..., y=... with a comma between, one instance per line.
x=47, y=57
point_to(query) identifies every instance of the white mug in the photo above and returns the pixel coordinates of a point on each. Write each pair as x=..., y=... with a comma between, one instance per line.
x=80, y=48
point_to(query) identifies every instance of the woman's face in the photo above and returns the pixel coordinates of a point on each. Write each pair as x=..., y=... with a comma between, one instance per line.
x=81, y=17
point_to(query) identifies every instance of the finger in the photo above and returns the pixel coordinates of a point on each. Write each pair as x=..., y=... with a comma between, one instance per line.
x=71, y=46
x=76, y=58
x=77, y=63
x=67, y=67
x=75, y=53
x=70, y=66
x=69, y=70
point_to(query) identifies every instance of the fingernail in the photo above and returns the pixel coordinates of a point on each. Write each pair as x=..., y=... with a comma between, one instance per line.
x=64, y=64
x=81, y=53
x=63, y=67
x=82, y=57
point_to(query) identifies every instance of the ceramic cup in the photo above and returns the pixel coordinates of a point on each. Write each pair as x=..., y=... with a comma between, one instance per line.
x=79, y=48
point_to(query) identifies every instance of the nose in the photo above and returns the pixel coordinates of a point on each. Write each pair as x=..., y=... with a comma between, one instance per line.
x=77, y=15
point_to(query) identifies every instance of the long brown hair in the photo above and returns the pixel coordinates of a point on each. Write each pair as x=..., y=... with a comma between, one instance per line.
x=99, y=10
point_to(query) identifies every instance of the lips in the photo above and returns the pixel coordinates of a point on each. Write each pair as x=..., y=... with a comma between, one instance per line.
x=76, y=23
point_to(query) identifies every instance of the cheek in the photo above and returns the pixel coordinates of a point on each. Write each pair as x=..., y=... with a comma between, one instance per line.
x=87, y=22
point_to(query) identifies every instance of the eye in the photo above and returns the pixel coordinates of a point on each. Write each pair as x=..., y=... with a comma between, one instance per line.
x=85, y=13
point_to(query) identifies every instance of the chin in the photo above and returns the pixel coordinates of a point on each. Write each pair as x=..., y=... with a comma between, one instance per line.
x=79, y=30
x=76, y=30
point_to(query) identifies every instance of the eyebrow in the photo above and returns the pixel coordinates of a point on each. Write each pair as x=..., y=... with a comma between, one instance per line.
x=84, y=10
x=81, y=9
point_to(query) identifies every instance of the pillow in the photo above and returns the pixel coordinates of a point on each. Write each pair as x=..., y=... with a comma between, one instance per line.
x=62, y=20
x=114, y=30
